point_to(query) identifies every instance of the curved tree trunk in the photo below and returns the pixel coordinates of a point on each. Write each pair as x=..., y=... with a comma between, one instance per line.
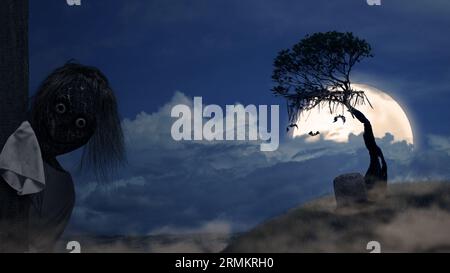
x=376, y=175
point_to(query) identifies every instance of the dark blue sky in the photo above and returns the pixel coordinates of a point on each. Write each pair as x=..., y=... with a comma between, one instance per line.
x=223, y=50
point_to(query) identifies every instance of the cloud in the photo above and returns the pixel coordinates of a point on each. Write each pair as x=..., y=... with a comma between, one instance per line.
x=212, y=236
x=440, y=143
x=178, y=186
x=211, y=227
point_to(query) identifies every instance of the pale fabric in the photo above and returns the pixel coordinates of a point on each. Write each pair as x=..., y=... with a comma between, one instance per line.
x=21, y=164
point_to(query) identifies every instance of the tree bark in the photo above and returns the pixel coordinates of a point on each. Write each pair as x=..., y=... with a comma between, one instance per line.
x=13, y=107
x=13, y=65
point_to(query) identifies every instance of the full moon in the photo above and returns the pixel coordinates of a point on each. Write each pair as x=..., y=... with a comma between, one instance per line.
x=386, y=116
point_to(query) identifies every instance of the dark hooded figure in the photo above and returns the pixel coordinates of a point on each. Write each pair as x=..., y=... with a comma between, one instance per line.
x=73, y=107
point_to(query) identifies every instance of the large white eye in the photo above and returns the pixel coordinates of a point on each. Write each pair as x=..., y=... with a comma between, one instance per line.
x=60, y=108
x=80, y=123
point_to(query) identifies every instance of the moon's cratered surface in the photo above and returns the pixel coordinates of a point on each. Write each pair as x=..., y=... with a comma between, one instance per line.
x=386, y=116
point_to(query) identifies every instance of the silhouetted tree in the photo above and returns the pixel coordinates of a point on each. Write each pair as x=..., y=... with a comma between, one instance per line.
x=316, y=72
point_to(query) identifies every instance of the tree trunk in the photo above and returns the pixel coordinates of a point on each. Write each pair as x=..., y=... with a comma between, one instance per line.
x=13, y=106
x=13, y=65
x=376, y=175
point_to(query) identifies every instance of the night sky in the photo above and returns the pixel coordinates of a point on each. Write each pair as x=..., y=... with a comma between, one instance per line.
x=160, y=53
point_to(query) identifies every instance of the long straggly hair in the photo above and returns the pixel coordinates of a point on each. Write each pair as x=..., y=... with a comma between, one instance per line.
x=105, y=151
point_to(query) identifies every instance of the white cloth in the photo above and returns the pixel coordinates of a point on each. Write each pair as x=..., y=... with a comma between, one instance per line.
x=21, y=164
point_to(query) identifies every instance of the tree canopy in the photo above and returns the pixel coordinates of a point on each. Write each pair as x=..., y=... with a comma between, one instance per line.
x=316, y=71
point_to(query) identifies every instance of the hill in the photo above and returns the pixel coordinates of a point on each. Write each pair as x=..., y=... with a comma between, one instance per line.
x=415, y=217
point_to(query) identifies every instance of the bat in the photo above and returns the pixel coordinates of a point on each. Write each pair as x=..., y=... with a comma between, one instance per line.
x=339, y=117
x=290, y=126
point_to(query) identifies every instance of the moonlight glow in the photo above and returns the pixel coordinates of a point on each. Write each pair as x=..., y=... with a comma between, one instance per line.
x=386, y=117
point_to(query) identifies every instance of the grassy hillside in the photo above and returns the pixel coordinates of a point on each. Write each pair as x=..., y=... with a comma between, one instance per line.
x=415, y=217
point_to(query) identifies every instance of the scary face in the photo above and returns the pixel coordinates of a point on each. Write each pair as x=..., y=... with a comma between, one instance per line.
x=70, y=120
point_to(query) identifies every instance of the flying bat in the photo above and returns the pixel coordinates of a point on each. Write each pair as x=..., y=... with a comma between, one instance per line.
x=314, y=134
x=290, y=126
x=339, y=117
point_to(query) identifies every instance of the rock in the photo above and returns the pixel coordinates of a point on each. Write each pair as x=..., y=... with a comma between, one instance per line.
x=349, y=189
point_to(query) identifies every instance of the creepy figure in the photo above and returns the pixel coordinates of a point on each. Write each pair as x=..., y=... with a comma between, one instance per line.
x=73, y=107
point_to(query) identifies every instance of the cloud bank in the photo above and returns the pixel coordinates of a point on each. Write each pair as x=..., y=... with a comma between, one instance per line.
x=178, y=186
